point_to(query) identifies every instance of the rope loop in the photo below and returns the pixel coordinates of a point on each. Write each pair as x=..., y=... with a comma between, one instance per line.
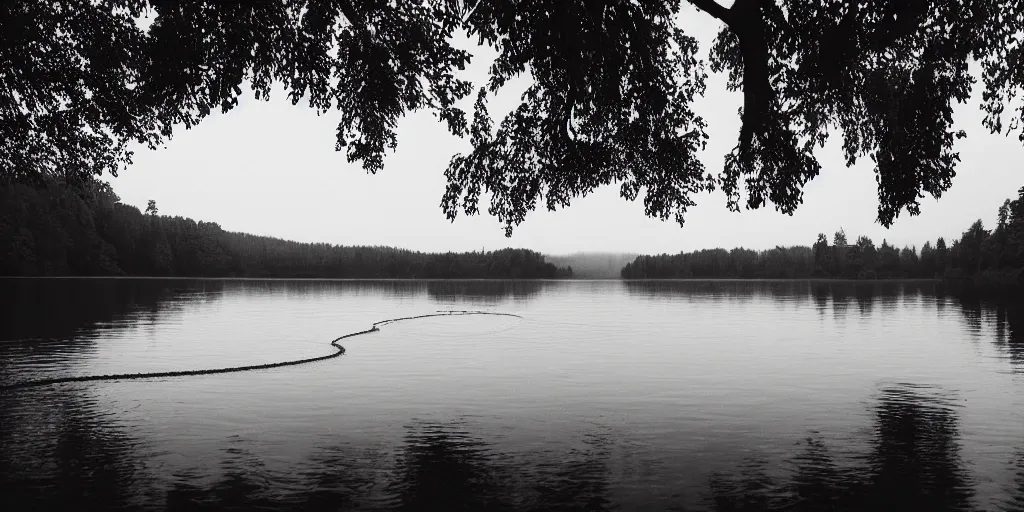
x=339, y=351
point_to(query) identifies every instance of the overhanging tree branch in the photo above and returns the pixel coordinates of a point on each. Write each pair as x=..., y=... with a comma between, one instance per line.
x=713, y=8
x=620, y=74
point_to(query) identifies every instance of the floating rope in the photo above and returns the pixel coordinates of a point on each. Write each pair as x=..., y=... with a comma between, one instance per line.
x=185, y=373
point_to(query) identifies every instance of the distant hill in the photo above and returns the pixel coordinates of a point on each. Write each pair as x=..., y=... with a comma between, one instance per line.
x=593, y=265
x=58, y=230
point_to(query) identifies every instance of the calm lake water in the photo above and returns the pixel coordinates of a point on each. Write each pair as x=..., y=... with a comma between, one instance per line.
x=605, y=395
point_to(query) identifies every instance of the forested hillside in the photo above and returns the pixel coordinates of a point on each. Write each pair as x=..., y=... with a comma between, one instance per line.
x=993, y=258
x=84, y=230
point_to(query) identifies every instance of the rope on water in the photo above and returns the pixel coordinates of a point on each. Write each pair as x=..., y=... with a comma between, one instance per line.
x=340, y=350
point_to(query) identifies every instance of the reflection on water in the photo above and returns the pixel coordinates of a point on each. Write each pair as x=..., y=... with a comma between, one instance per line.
x=56, y=309
x=457, y=290
x=818, y=482
x=244, y=485
x=90, y=461
x=47, y=324
x=438, y=467
x=913, y=464
x=444, y=467
x=865, y=293
x=915, y=460
x=1016, y=491
x=607, y=428
x=1005, y=320
x=489, y=292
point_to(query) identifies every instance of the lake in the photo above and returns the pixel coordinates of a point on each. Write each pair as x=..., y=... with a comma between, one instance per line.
x=605, y=395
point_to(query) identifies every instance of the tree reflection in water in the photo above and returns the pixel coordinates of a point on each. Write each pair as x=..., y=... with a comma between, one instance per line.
x=1010, y=332
x=1016, y=501
x=491, y=292
x=818, y=483
x=439, y=467
x=67, y=455
x=747, y=488
x=913, y=464
x=443, y=467
x=55, y=322
x=915, y=461
x=580, y=482
x=92, y=465
x=243, y=486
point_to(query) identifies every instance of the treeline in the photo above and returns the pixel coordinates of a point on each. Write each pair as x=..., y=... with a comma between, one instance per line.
x=57, y=230
x=988, y=258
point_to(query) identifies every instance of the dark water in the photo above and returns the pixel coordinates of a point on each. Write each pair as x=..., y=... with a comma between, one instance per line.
x=606, y=395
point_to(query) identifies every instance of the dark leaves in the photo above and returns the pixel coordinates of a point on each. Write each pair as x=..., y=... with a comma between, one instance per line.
x=886, y=73
x=81, y=79
x=610, y=103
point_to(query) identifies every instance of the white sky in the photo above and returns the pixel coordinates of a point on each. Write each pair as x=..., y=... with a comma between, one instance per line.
x=269, y=168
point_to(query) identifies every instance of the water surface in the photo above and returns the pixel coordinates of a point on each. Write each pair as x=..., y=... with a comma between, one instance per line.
x=606, y=395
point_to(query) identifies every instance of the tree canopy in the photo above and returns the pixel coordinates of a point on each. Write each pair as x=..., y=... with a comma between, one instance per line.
x=56, y=231
x=613, y=86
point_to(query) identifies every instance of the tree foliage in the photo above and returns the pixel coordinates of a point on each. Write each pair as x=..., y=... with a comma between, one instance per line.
x=611, y=99
x=56, y=231
x=84, y=78
x=613, y=84
x=992, y=258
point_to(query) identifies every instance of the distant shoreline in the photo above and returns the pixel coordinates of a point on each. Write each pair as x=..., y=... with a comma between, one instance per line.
x=560, y=280
x=225, y=278
x=787, y=279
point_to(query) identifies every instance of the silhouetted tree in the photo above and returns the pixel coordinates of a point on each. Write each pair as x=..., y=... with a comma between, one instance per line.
x=968, y=248
x=888, y=260
x=54, y=230
x=941, y=256
x=910, y=263
x=928, y=261
x=864, y=256
x=822, y=259
x=979, y=258
x=1015, y=228
x=839, y=238
x=613, y=85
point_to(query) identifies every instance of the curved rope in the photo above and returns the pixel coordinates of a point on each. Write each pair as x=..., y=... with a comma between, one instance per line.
x=185, y=373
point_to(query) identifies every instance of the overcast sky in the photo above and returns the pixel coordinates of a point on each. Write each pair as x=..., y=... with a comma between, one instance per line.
x=270, y=168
